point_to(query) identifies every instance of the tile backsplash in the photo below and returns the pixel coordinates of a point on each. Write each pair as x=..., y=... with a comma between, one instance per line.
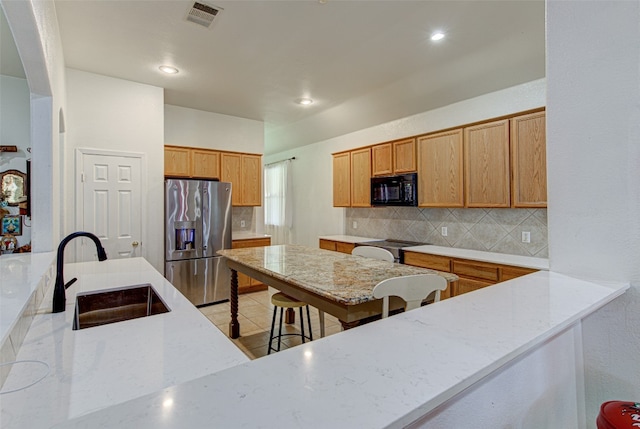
x=495, y=230
x=239, y=215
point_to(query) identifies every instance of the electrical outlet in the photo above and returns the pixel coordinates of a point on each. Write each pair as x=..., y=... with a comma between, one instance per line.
x=242, y=224
x=355, y=225
x=526, y=237
x=443, y=230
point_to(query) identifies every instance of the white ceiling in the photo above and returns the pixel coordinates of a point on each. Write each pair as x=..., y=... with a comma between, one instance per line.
x=363, y=62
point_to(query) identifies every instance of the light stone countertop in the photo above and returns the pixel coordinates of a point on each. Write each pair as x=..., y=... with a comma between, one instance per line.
x=23, y=280
x=478, y=255
x=99, y=367
x=385, y=374
x=337, y=276
x=348, y=238
x=247, y=235
x=454, y=252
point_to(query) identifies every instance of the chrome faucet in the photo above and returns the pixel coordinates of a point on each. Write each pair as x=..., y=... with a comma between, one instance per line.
x=59, y=295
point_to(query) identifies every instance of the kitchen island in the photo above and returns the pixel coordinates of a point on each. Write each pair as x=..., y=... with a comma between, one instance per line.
x=89, y=369
x=336, y=283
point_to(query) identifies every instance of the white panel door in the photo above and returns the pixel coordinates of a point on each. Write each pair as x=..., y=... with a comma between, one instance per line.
x=111, y=205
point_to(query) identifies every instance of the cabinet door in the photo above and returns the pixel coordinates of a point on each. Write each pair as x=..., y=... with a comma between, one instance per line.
x=251, y=180
x=205, y=164
x=231, y=171
x=361, y=178
x=327, y=244
x=344, y=247
x=464, y=285
x=486, y=160
x=404, y=156
x=342, y=180
x=245, y=283
x=434, y=262
x=382, y=164
x=529, y=161
x=177, y=162
x=440, y=166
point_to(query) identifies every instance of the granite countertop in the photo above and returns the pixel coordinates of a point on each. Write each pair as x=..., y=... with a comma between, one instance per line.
x=337, y=276
x=106, y=365
x=385, y=374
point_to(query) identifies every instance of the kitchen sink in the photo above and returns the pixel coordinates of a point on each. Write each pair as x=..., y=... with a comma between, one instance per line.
x=117, y=305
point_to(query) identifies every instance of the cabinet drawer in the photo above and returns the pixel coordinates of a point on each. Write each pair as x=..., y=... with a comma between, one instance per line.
x=253, y=242
x=344, y=247
x=508, y=273
x=435, y=262
x=475, y=269
x=327, y=245
x=464, y=285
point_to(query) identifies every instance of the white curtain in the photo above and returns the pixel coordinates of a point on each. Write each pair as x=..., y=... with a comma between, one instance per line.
x=278, y=204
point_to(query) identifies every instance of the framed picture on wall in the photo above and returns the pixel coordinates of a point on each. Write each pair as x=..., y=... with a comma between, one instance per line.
x=11, y=225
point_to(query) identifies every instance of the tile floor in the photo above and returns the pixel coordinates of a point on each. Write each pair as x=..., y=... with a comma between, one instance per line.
x=254, y=314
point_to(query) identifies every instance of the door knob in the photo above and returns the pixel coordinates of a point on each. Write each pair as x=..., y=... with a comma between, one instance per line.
x=135, y=243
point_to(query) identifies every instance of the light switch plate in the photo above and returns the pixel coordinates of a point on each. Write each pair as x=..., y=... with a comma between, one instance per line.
x=443, y=230
x=242, y=224
x=526, y=237
x=355, y=225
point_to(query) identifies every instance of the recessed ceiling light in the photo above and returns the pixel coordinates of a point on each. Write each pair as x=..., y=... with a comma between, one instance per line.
x=438, y=35
x=304, y=101
x=168, y=69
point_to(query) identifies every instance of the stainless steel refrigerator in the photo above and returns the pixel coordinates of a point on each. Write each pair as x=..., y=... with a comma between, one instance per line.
x=197, y=225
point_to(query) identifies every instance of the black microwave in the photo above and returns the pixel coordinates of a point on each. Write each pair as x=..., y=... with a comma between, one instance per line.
x=395, y=190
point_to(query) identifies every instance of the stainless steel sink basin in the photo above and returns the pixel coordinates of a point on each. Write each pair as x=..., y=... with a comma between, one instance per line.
x=117, y=305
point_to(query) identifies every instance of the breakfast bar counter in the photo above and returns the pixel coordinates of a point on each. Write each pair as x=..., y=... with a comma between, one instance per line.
x=492, y=348
x=94, y=368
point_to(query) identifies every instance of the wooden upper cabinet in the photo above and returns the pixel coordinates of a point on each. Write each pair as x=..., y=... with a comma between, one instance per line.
x=231, y=171
x=342, y=179
x=361, y=178
x=440, y=170
x=529, y=161
x=251, y=180
x=177, y=161
x=486, y=162
x=205, y=164
x=397, y=157
x=404, y=156
x=382, y=164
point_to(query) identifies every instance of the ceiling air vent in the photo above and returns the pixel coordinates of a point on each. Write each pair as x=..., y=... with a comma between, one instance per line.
x=203, y=14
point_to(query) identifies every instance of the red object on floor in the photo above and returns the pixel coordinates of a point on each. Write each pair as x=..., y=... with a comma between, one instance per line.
x=619, y=415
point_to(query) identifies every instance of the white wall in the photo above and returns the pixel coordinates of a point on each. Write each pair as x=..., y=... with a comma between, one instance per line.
x=196, y=128
x=314, y=214
x=593, y=144
x=15, y=129
x=119, y=115
x=35, y=29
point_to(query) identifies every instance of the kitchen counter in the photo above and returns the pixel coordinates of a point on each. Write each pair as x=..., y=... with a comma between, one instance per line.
x=23, y=277
x=348, y=238
x=102, y=366
x=388, y=373
x=477, y=255
x=247, y=235
x=453, y=252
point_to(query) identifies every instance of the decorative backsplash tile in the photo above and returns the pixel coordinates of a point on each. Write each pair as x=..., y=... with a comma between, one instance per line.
x=495, y=230
x=240, y=214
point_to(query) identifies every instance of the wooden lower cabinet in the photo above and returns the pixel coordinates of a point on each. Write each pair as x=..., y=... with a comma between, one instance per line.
x=245, y=283
x=473, y=275
x=336, y=246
